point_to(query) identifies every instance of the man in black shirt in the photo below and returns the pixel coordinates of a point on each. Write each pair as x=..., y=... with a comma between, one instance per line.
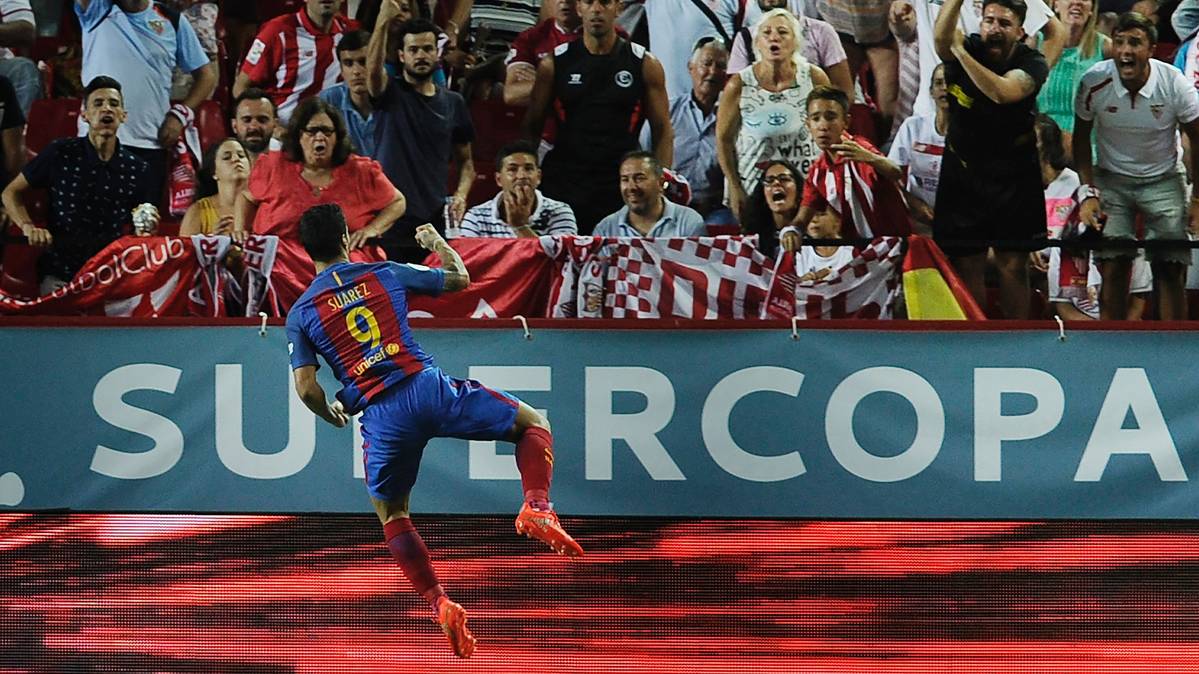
x=94, y=184
x=990, y=187
x=601, y=89
x=421, y=127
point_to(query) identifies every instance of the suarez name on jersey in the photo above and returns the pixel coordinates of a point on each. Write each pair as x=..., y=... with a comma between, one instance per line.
x=356, y=317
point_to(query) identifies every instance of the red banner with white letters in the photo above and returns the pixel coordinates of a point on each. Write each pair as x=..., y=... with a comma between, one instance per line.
x=132, y=276
x=508, y=277
x=147, y=277
x=560, y=277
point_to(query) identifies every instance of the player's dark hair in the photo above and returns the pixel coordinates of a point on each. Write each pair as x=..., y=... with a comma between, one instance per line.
x=321, y=231
x=516, y=147
x=254, y=94
x=102, y=82
x=416, y=27
x=304, y=113
x=758, y=218
x=353, y=41
x=1135, y=21
x=655, y=165
x=1018, y=7
x=1052, y=150
x=826, y=93
x=206, y=177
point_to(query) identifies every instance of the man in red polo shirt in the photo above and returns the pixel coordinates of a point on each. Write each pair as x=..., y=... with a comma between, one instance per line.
x=850, y=176
x=536, y=43
x=293, y=56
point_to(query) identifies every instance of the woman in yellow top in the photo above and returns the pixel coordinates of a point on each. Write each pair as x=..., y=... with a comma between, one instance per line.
x=223, y=175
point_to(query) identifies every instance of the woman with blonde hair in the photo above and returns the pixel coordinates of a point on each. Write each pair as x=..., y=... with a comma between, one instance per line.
x=1085, y=47
x=762, y=113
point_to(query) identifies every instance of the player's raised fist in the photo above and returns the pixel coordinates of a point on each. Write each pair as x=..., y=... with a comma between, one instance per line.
x=427, y=236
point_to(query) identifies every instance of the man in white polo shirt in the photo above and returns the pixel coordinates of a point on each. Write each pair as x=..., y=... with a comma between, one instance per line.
x=1137, y=106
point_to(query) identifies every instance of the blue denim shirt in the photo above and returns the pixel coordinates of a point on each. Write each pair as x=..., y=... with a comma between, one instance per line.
x=362, y=130
x=677, y=221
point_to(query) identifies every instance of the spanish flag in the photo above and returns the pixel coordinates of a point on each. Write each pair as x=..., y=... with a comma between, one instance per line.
x=932, y=289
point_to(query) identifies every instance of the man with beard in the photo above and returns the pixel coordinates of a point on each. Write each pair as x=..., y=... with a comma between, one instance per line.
x=293, y=56
x=254, y=122
x=1137, y=105
x=647, y=212
x=420, y=126
x=990, y=186
x=94, y=184
x=601, y=89
x=352, y=97
x=693, y=118
x=519, y=210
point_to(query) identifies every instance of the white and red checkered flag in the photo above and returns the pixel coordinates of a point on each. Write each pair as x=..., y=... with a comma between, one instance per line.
x=865, y=287
x=581, y=264
x=698, y=278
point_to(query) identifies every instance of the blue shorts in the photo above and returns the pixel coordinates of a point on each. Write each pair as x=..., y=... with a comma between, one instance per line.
x=398, y=423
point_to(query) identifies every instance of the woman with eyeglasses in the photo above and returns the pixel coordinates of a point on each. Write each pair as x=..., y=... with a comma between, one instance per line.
x=774, y=203
x=316, y=166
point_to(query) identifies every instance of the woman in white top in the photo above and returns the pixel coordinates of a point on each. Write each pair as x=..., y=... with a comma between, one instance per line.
x=763, y=112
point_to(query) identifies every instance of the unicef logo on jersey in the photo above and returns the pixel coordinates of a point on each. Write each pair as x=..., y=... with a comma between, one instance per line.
x=624, y=79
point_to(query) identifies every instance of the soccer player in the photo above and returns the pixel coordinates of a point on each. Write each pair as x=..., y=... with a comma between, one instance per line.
x=355, y=315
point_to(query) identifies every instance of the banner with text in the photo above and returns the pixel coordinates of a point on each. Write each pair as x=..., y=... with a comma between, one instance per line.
x=840, y=423
x=724, y=277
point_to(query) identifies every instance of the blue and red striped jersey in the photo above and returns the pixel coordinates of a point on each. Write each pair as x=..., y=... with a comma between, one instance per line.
x=355, y=316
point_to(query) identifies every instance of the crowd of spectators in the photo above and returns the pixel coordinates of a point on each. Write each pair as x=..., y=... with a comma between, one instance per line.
x=990, y=125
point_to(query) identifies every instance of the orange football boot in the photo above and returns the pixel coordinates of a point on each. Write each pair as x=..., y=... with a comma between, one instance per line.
x=544, y=526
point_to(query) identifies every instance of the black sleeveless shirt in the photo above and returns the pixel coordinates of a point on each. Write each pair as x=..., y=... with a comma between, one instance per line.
x=597, y=102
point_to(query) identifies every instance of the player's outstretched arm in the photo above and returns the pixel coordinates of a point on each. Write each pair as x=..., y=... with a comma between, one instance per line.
x=456, y=276
x=313, y=397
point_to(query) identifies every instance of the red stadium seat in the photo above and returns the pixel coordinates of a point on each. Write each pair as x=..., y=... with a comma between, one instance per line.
x=269, y=9
x=484, y=187
x=18, y=270
x=212, y=123
x=496, y=125
x=52, y=118
x=226, y=71
x=723, y=230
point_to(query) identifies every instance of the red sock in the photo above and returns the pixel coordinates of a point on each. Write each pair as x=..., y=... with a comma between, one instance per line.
x=535, y=460
x=410, y=553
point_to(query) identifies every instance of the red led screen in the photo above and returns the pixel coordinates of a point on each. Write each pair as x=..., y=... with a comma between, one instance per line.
x=319, y=594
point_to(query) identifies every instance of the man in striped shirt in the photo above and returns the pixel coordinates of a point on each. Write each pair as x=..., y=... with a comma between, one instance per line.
x=519, y=210
x=294, y=56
